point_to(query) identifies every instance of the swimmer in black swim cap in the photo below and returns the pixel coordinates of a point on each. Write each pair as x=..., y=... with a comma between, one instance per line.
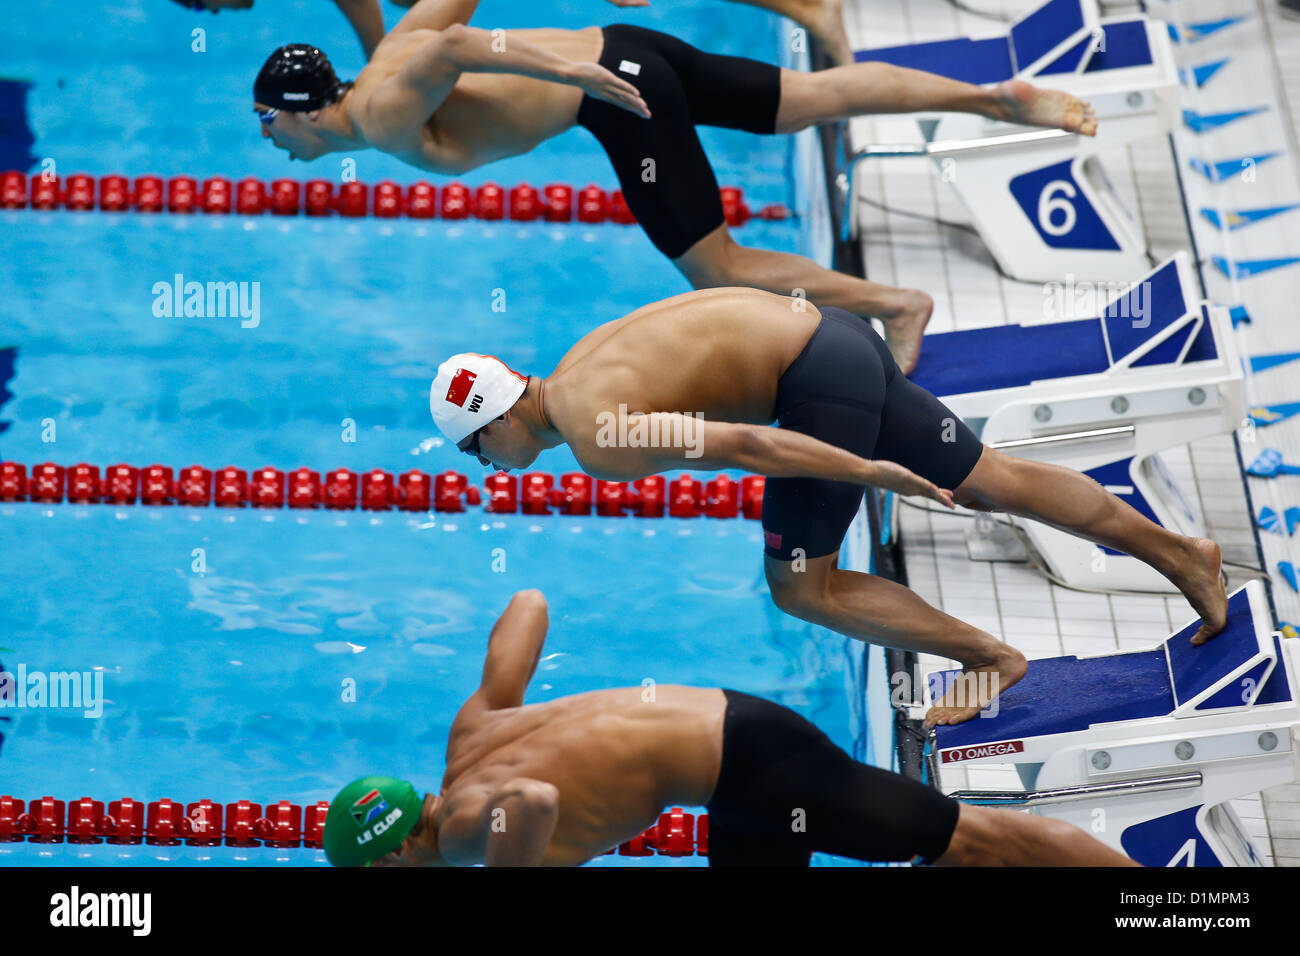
x=295, y=84
x=364, y=15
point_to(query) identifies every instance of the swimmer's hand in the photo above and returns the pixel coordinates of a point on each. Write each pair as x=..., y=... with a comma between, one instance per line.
x=600, y=84
x=630, y=3
x=894, y=477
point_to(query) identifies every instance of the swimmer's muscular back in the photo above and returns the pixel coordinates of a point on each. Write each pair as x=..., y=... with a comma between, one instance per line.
x=718, y=352
x=485, y=117
x=615, y=757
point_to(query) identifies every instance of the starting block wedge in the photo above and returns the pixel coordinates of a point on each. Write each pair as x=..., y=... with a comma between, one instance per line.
x=1156, y=370
x=1145, y=749
x=1040, y=199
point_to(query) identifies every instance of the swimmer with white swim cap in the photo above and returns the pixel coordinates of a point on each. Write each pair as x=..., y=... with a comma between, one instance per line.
x=446, y=97
x=577, y=776
x=694, y=381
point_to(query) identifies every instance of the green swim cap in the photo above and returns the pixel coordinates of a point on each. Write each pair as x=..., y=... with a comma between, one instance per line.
x=371, y=816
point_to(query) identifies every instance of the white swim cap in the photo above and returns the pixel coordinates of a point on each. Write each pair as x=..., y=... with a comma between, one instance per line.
x=471, y=390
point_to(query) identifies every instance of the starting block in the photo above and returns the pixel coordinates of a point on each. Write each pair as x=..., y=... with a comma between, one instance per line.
x=1040, y=199
x=1157, y=370
x=1145, y=749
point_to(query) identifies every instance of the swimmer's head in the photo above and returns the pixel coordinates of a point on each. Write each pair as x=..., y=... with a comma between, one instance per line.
x=294, y=85
x=369, y=819
x=470, y=401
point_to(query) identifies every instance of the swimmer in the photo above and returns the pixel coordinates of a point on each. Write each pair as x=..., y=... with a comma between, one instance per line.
x=694, y=381
x=574, y=777
x=364, y=15
x=448, y=98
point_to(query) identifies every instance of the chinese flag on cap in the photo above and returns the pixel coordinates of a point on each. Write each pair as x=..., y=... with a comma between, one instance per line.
x=460, y=386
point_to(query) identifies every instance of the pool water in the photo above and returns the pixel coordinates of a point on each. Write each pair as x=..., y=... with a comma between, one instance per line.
x=275, y=655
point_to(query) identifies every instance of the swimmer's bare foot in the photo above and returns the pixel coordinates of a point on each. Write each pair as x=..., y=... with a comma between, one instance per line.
x=1007, y=666
x=824, y=19
x=905, y=325
x=1022, y=102
x=1200, y=579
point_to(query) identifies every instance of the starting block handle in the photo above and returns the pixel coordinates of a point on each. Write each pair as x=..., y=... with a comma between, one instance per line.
x=1033, y=798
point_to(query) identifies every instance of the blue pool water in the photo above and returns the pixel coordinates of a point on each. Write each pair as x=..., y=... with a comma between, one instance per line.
x=226, y=639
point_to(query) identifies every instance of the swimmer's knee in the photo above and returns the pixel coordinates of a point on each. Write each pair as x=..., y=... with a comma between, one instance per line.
x=799, y=594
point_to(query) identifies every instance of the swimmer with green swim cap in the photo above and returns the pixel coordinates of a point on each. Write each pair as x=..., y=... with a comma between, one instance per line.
x=558, y=782
x=369, y=818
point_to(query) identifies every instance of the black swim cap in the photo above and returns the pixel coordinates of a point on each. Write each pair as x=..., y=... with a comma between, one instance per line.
x=297, y=78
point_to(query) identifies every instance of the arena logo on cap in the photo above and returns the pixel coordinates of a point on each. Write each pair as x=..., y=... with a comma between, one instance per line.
x=458, y=391
x=297, y=96
x=368, y=807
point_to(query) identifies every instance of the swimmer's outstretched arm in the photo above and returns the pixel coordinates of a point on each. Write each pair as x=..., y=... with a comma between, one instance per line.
x=688, y=442
x=513, y=651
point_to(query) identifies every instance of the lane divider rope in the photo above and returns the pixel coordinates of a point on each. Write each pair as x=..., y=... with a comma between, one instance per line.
x=217, y=195
x=533, y=493
x=282, y=825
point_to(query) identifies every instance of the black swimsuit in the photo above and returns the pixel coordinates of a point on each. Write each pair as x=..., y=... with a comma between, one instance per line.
x=661, y=167
x=845, y=389
x=786, y=791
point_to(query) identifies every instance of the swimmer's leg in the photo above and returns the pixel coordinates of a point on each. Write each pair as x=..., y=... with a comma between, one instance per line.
x=880, y=611
x=862, y=88
x=1074, y=503
x=987, y=837
x=824, y=19
x=718, y=260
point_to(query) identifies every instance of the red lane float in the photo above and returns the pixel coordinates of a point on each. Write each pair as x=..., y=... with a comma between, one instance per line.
x=455, y=201
x=215, y=196
x=285, y=197
x=490, y=202
x=250, y=197
x=533, y=493
x=182, y=194
x=557, y=202
x=148, y=194
x=243, y=823
x=318, y=197
x=421, y=201
x=80, y=194
x=388, y=202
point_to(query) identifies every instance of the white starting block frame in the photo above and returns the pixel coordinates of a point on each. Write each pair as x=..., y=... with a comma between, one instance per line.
x=1040, y=199
x=1144, y=749
x=1104, y=396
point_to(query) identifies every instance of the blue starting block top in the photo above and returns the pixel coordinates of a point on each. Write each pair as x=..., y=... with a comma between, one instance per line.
x=1056, y=25
x=1141, y=320
x=1061, y=695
